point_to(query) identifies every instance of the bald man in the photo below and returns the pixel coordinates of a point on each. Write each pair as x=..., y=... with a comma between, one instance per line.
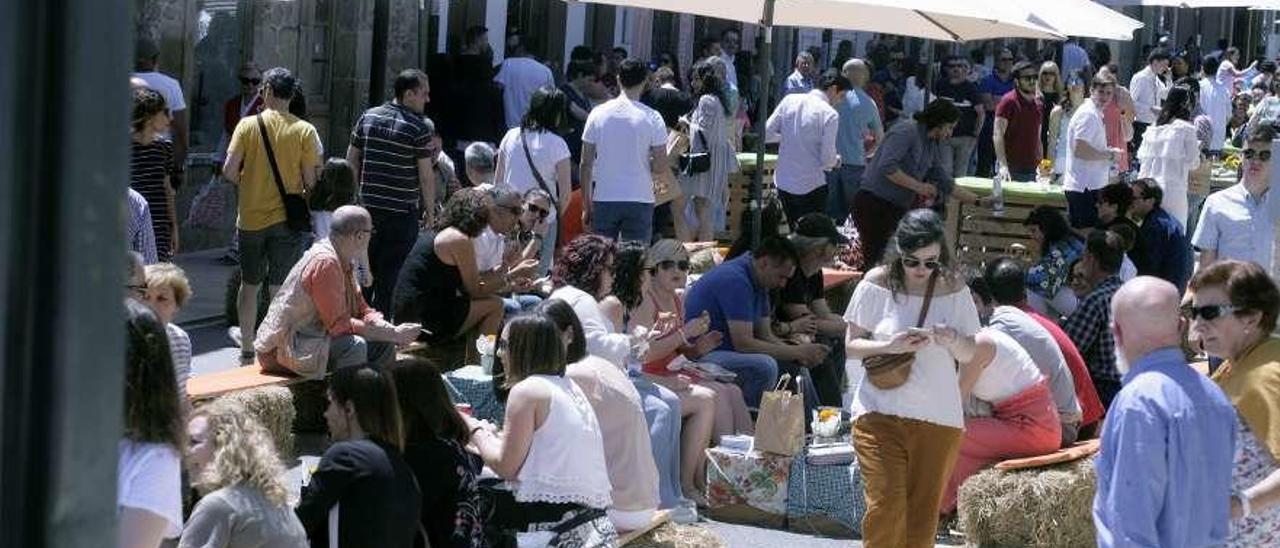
x=1168, y=443
x=859, y=117
x=319, y=320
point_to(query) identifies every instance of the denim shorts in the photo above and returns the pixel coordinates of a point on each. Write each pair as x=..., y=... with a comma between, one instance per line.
x=268, y=254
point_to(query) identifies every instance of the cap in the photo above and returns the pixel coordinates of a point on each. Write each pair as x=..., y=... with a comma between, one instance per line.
x=665, y=250
x=817, y=225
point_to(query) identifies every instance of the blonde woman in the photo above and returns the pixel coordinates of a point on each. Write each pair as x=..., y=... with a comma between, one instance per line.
x=233, y=462
x=1051, y=90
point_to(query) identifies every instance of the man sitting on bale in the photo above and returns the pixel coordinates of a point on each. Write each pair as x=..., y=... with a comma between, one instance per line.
x=803, y=314
x=319, y=320
x=1009, y=295
x=1089, y=325
x=1164, y=474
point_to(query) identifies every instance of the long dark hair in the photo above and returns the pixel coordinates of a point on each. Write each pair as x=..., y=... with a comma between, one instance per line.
x=152, y=412
x=628, y=273
x=1052, y=224
x=425, y=408
x=704, y=72
x=546, y=111
x=373, y=395
x=770, y=225
x=1177, y=106
x=567, y=320
x=918, y=229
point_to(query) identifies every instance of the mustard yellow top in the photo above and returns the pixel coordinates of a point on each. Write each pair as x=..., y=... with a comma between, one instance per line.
x=1252, y=383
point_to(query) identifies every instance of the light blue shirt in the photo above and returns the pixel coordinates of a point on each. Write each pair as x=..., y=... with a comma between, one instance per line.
x=1238, y=225
x=1168, y=444
x=796, y=83
x=858, y=114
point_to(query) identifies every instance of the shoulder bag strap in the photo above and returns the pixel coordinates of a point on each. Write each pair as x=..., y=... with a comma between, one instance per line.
x=536, y=175
x=928, y=298
x=271, y=157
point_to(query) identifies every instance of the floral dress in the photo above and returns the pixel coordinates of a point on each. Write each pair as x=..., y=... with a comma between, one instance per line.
x=1051, y=273
x=1253, y=464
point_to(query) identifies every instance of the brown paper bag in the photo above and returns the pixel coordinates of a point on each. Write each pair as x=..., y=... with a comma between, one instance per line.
x=780, y=425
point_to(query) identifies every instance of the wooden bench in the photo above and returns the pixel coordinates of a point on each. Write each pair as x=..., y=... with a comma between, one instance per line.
x=660, y=517
x=211, y=385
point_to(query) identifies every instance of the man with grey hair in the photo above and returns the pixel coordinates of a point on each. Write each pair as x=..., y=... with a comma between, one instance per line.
x=801, y=79
x=480, y=160
x=268, y=247
x=858, y=118
x=1168, y=444
x=320, y=321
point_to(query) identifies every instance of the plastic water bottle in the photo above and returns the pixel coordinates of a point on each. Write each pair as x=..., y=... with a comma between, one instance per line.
x=997, y=195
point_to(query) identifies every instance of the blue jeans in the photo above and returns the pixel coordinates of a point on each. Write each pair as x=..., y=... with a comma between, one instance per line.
x=842, y=184
x=662, y=412
x=516, y=304
x=756, y=372
x=631, y=221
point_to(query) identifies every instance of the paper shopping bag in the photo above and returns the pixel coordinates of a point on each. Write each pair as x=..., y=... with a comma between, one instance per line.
x=780, y=425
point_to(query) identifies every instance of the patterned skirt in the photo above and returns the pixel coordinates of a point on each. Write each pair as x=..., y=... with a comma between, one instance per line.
x=1253, y=464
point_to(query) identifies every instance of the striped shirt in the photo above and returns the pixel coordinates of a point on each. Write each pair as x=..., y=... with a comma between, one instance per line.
x=392, y=139
x=142, y=236
x=149, y=165
x=180, y=351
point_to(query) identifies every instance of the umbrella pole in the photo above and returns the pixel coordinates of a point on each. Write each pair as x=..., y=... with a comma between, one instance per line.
x=765, y=83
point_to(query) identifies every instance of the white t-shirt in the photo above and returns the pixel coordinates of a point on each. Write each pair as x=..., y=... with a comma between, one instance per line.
x=489, y=247
x=149, y=477
x=624, y=132
x=547, y=150
x=520, y=77
x=1010, y=372
x=1086, y=125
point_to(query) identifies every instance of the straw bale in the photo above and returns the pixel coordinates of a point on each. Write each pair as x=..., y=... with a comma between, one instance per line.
x=673, y=535
x=1039, y=507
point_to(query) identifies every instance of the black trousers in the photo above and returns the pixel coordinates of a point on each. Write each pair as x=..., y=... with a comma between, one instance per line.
x=393, y=237
x=797, y=205
x=876, y=219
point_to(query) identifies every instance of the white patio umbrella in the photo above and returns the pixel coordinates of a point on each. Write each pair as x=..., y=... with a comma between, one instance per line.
x=1081, y=18
x=949, y=20
x=1258, y=4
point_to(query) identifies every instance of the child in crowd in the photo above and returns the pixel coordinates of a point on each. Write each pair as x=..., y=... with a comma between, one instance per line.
x=167, y=291
x=335, y=188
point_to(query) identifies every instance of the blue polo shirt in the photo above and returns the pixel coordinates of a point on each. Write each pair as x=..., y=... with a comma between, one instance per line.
x=858, y=115
x=728, y=293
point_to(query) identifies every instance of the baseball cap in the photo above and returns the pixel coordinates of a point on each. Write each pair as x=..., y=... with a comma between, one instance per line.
x=818, y=225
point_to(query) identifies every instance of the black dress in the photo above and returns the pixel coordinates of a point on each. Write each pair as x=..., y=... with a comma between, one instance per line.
x=377, y=497
x=430, y=292
x=450, y=499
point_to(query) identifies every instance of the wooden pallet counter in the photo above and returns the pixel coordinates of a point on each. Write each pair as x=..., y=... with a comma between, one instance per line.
x=981, y=235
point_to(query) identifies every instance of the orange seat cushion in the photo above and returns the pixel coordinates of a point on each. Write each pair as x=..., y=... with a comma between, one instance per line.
x=832, y=277
x=1076, y=452
x=212, y=385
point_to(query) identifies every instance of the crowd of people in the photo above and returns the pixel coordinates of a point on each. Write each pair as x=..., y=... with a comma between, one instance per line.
x=620, y=361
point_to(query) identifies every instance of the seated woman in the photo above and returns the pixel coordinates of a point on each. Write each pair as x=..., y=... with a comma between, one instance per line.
x=668, y=265
x=440, y=286
x=1047, y=290
x=628, y=453
x=362, y=475
x=233, y=462
x=435, y=441
x=551, y=448
x=582, y=275
x=1024, y=420
x=148, y=473
x=631, y=282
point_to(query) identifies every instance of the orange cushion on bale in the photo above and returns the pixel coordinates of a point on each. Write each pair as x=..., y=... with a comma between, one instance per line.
x=211, y=385
x=1078, y=451
x=832, y=277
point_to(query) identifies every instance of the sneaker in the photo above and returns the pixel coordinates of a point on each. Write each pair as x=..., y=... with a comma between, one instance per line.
x=247, y=358
x=685, y=513
x=233, y=333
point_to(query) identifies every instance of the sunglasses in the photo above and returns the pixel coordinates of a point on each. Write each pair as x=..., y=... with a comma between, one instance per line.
x=542, y=213
x=1208, y=312
x=1259, y=155
x=912, y=262
x=250, y=81
x=668, y=265
x=1028, y=77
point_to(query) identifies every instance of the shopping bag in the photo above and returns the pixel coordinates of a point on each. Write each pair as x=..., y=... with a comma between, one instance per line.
x=780, y=425
x=210, y=206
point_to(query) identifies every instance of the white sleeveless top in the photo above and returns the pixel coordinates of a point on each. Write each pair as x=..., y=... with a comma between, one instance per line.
x=1009, y=373
x=565, y=463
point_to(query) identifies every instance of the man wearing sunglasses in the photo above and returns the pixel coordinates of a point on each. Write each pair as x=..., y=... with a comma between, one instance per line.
x=1162, y=249
x=1238, y=222
x=957, y=149
x=1017, y=127
x=992, y=88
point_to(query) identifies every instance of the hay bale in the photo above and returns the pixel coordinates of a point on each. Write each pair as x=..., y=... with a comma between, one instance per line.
x=1049, y=506
x=674, y=535
x=273, y=407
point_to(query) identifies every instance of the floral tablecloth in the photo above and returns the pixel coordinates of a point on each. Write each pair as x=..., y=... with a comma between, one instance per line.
x=755, y=479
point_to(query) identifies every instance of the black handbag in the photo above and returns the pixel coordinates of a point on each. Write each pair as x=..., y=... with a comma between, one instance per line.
x=296, y=211
x=692, y=163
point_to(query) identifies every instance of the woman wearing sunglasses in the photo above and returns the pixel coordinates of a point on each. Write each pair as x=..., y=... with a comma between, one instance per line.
x=908, y=437
x=1233, y=314
x=1060, y=119
x=1051, y=91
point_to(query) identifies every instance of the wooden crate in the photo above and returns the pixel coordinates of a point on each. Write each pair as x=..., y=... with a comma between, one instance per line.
x=980, y=236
